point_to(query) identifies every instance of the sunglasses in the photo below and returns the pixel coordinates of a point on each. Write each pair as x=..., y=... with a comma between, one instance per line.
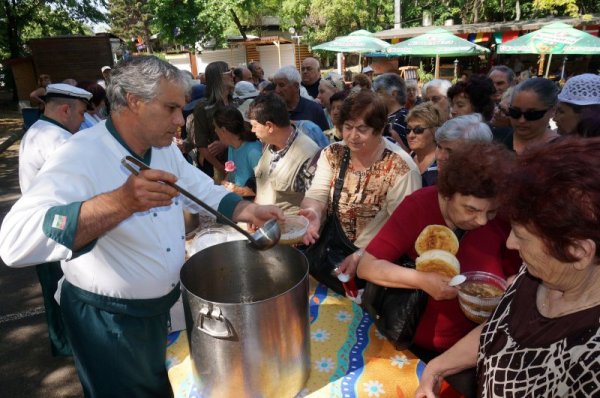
x=417, y=130
x=515, y=113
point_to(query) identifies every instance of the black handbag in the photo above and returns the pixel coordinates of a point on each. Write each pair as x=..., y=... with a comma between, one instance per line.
x=396, y=312
x=333, y=246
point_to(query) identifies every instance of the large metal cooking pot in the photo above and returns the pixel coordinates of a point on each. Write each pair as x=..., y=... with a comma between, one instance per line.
x=246, y=314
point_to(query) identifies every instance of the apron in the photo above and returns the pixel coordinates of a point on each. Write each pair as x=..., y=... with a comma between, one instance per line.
x=49, y=274
x=119, y=345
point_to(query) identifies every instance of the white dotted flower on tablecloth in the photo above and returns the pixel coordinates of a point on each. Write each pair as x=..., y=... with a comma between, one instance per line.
x=373, y=388
x=324, y=365
x=320, y=335
x=343, y=316
x=399, y=360
x=379, y=335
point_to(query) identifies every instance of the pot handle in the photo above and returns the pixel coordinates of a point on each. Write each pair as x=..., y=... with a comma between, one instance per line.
x=217, y=316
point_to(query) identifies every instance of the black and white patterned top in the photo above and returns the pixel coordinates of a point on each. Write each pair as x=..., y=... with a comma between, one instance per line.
x=524, y=354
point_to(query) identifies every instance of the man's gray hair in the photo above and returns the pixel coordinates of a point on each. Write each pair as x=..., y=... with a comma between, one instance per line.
x=141, y=76
x=441, y=84
x=467, y=127
x=288, y=72
x=510, y=74
x=390, y=82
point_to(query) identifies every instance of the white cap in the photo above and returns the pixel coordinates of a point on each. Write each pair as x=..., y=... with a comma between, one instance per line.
x=105, y=68
x=367, y=69
x=63, y=90
x=245, y=90
x=581, y=90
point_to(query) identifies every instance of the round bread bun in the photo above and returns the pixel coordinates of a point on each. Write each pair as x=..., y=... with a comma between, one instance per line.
x=436, y=237
x=439, y=261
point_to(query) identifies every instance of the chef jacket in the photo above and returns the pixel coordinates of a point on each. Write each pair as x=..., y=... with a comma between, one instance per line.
x=38, y=143
x=138, y=259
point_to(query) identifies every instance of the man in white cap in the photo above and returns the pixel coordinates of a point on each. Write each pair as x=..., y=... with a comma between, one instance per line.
x=120, y=235
x=63, y=114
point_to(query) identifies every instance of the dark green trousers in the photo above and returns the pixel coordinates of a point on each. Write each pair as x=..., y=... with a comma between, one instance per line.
x=49, y=274
x=119, y=345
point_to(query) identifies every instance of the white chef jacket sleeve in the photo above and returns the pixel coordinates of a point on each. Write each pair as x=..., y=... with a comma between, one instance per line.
x=41, y=226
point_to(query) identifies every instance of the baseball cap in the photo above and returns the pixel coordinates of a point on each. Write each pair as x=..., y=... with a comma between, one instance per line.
x=105, y=68
x=367, y=69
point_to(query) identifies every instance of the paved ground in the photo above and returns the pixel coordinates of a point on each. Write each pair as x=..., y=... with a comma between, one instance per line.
x=27, y=368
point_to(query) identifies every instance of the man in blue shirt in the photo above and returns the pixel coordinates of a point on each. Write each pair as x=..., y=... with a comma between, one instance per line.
x=287, y=86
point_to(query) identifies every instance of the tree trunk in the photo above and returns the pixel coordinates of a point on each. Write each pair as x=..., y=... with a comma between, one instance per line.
x=237, y=22
x=517, y=10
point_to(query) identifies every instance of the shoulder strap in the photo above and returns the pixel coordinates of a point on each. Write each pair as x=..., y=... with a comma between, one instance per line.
x=339, y=181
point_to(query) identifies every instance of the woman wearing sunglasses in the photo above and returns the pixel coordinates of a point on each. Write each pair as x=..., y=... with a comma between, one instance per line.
x=421, y=124
x=532, y=105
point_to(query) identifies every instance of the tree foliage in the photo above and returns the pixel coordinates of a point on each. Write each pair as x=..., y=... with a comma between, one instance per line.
x=131, y=19
x=27, y=19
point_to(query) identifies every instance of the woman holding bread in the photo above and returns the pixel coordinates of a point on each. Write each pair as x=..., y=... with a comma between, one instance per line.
x=543, y=339
x=464, y=200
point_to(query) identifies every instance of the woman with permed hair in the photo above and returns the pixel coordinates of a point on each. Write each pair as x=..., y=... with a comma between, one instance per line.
x=473, y=96
x=465, y=200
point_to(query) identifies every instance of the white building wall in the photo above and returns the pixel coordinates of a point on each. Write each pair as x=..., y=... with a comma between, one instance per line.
x=269, y=58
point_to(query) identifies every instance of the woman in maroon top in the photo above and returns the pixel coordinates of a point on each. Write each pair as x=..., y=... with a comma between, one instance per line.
x=543, y=339
x=464, y=198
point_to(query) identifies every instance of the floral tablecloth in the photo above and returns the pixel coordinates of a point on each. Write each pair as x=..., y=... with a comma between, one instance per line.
x=350, y=358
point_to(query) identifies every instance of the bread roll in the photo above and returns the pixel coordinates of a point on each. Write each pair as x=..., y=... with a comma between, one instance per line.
x=436, y=237
x=439, y=261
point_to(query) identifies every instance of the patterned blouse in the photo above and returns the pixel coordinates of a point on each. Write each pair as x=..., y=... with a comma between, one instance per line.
x=524, y=354
x=368, y=197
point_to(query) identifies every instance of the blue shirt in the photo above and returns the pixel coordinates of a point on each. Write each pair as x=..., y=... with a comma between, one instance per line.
x=310, y=110
x=245, y=159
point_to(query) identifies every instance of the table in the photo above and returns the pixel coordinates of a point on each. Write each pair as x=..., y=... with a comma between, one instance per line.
x=349, y=357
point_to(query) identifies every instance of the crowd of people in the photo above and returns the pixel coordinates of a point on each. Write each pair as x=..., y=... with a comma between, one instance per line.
x=508, y=167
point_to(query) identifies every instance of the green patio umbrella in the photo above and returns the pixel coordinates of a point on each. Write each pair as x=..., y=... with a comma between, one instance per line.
x=555, y=38
x=360, y=41
x=436, y=43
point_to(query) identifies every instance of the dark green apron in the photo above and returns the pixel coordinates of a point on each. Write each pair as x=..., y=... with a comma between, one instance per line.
x=119, y=345
x=49, y=274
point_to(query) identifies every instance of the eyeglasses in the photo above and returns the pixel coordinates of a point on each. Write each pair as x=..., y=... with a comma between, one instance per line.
x=417, y=130
x=515, y=113
x=435, y=99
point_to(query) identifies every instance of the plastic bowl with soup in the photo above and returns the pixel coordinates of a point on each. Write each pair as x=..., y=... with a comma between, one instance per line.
x=480, y=294
x=293, y=230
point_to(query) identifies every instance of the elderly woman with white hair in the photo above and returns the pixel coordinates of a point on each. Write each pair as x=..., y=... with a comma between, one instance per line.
x=455, y=131
x=436, y=91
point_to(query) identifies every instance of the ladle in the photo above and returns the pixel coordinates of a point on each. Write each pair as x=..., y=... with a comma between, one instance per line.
x=264, y=238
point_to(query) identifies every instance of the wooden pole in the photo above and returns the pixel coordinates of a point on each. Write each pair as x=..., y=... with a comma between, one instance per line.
x=548, y=67
x=437, y=66
x=541, y=66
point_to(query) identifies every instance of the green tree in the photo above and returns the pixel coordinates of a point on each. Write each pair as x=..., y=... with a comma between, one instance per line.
x=130, y=19
x=27, y=19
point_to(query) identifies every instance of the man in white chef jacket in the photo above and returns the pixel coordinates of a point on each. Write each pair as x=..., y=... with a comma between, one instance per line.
x=63, y=113
x=120, y=237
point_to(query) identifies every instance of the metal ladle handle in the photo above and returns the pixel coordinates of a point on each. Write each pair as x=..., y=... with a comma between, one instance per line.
x=129, y=162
